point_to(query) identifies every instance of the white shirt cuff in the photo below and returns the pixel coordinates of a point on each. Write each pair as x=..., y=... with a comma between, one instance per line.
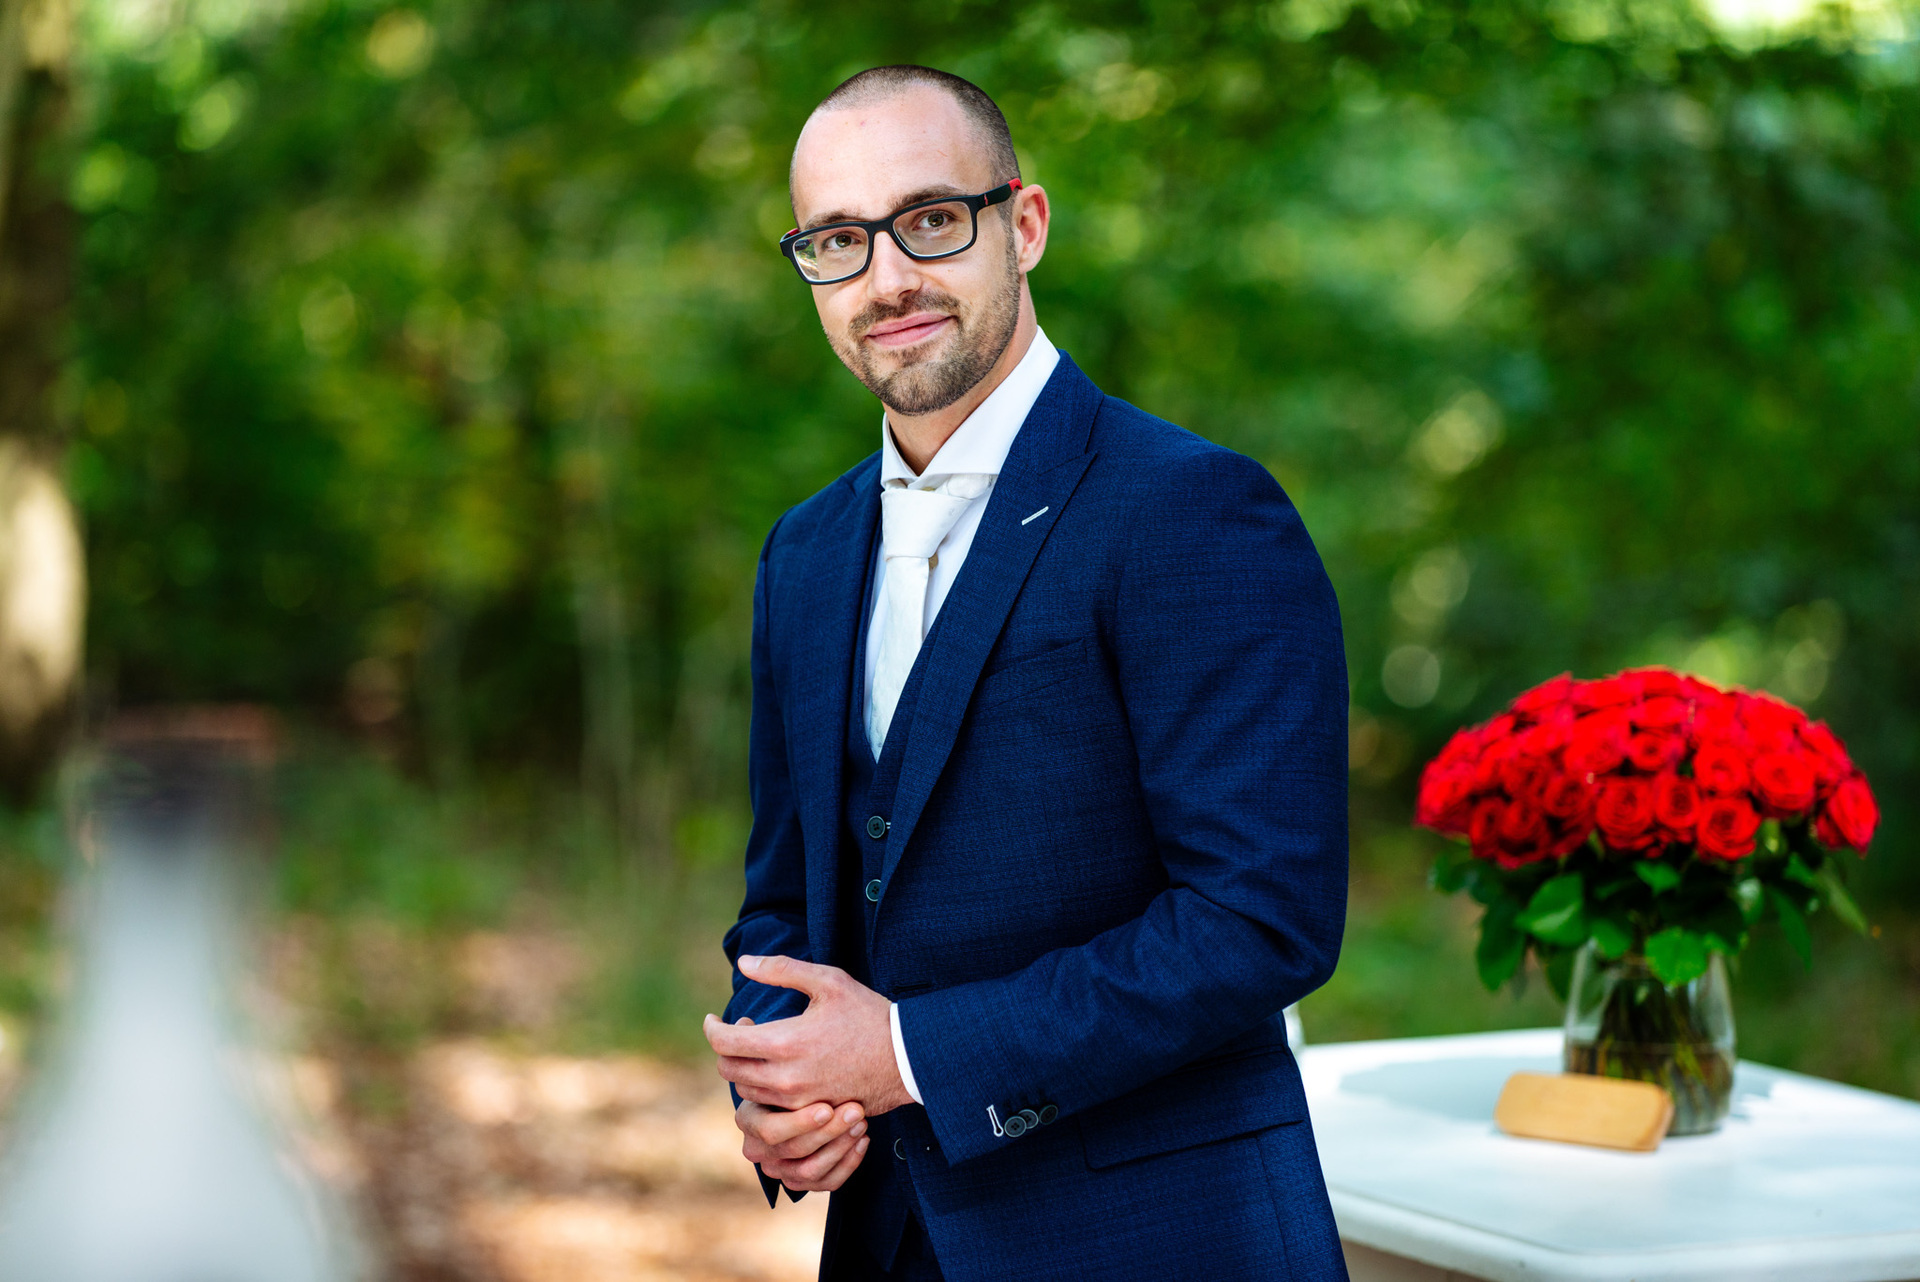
x=900, y=1053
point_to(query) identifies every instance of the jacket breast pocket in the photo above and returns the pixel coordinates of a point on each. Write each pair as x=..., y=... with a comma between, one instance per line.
x=1031, y=674
x=1212, y=1100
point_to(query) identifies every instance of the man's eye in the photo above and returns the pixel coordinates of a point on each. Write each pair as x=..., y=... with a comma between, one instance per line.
x=841, y=241
x=938, y=219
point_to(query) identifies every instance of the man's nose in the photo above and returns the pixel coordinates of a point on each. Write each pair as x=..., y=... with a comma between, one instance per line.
x=892, y=273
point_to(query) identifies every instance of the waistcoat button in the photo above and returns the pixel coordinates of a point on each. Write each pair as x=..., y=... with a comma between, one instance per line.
x=873, y=891
x=876, y=827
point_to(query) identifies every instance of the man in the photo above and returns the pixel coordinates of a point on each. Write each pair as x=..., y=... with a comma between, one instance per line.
x=1048, y=771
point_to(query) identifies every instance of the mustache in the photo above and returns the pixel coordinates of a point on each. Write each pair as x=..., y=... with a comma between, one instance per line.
x=921, y=300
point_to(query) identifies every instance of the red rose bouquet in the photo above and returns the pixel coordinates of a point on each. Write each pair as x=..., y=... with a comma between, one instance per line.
x=1650, y=814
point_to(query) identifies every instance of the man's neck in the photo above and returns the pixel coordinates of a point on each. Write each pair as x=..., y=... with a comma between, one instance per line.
x=919, y=437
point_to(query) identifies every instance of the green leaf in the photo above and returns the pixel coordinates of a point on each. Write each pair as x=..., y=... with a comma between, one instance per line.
x=1797, y=870
x=1661, y=877
x=1501, y=947
x=1677, y=955
x=1793, y=924
x=1611, y=886
x=1556, y=913
x=1611, y=937
x=1840, y=901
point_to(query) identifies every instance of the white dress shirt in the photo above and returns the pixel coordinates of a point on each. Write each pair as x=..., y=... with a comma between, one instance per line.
x=978, y=446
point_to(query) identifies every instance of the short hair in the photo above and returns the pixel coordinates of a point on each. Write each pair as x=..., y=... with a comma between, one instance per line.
x=884, y=82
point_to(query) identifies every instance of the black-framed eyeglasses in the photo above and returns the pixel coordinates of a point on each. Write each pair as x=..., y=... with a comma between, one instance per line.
x=930, y=229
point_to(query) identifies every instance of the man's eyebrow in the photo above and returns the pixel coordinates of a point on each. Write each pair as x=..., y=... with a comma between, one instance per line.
x=938, y=191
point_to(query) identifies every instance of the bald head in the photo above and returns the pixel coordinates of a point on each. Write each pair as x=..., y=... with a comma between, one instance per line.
x=877, y=85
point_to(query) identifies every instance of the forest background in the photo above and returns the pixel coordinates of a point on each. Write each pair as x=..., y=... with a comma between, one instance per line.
x=427, y=374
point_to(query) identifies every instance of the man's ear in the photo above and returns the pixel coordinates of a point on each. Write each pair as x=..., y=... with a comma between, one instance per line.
x=1032, y=216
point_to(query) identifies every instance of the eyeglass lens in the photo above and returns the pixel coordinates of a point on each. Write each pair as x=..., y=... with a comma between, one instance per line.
x=928, y=231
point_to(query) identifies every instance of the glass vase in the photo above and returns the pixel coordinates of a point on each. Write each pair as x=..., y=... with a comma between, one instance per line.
x=1622, y=1021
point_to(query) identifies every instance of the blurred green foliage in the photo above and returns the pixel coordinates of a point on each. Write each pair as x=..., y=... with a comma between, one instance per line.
x=434, y=373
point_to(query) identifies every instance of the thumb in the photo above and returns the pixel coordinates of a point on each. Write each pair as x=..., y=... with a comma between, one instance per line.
x=790, y=972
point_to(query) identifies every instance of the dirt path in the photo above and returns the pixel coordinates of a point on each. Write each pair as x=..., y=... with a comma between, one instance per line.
x=472, y=1163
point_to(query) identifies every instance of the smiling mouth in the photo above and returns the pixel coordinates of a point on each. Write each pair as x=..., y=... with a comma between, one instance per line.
x=908, y=330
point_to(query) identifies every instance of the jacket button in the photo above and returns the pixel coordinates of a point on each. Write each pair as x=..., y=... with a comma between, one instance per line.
x=876, y=827
x=900, y=1148
x=1014, y=1126
x=1031, y=1118
x=873, y=891
x=1048, y=1114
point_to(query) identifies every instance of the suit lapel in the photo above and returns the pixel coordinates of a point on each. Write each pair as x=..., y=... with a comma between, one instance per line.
x=822, y=683
x=1041, y=472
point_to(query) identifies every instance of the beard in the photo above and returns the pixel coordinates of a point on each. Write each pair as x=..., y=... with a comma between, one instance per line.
x=932, y=383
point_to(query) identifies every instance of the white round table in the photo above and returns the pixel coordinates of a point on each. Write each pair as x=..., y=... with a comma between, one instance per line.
x=1808, y=1180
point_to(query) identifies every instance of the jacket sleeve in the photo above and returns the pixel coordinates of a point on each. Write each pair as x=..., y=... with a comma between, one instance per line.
x=773, y=916
x=1225, y=636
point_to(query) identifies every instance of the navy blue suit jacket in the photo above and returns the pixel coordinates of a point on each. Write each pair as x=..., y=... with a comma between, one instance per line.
x=1118, y=847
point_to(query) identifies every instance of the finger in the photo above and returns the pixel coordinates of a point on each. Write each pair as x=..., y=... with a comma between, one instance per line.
x=758, y=1072
x=848, y=1165
x=808, y=1172
x=742, y=1041
x=772, y=1126
x=790, y=972
x=846, y=1122
x=743, y=1022
x=775, y=1099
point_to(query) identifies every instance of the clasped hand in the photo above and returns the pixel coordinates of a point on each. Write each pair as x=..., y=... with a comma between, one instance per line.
x=792, y=1073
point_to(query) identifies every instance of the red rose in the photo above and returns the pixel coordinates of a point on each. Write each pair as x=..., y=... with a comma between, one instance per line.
x=1696, y=691
x=1460, y=750
x=1490, y=772
x=1569, y=798
x=1676, y=804
x=1850, y=816
x=1651, y=752
x=1783, y=782
x=1570, y=840
x=1523, y=777
x=1443, y=801
x=1624, y=812
x=1483, y=827
x=1725, y=828
x=1831, y=763
x=1720, y=769
x=1662, y=712
x=1608, y=692
x=1769, y=723
x=1542, y=740
x=1523, y=834
x=1716, y=720
x=1544, y=696
x=1659, y=681
x=1596, y=744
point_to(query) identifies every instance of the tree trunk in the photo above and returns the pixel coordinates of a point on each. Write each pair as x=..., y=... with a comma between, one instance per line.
x=42, y=570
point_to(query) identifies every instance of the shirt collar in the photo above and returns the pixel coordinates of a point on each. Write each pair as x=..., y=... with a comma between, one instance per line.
x=980, y=444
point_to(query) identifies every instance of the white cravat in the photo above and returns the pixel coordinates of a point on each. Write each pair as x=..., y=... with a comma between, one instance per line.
x=978, y=446
x=914, y=520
